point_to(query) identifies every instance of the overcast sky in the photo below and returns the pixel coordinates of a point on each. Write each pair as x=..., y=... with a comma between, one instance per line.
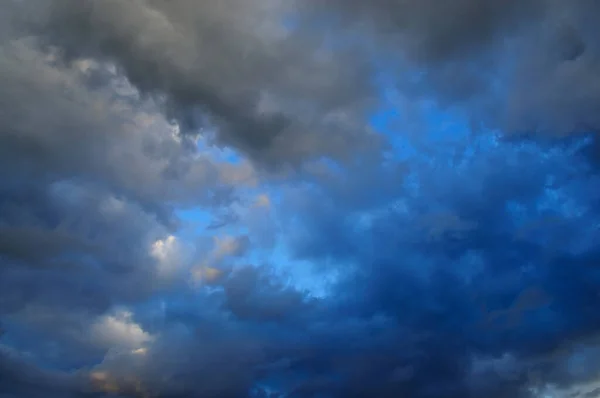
x=299, y=198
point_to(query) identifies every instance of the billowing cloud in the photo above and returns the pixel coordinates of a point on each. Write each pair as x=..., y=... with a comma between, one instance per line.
x=521, y=66
x=269, y=198
x=232, y=67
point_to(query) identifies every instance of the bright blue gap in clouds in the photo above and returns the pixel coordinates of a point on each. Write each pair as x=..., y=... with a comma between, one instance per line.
x=384, y=122
x=194, y=221
x=416, y=127
x=219, y=153
x=230, y=156
x=197, y=222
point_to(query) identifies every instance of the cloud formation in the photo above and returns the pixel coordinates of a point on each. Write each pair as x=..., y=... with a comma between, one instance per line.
x=518, y=66
x=268, y=198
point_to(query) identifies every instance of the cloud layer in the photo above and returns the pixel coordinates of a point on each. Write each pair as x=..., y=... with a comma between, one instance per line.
x=275, y=198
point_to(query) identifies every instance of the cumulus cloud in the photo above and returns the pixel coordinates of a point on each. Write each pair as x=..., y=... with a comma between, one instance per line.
x=521, y=66
x=459, y=259
x=269, y=91
x=119, y=330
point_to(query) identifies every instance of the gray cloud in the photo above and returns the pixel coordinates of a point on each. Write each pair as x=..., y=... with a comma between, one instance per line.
x=277, y=90
x=234, y=65
x=517, y=66
x=56, y=127
x=92, y=170
x=20, y=377
x=253, y=294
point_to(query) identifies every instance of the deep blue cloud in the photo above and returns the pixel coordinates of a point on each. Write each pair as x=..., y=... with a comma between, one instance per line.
x=267, y=198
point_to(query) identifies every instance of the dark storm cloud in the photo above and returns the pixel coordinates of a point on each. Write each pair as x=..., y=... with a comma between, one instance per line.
x=520, y=66
x=438, y=31
x=54, y=126
x=254, y=295
x=89, y=176
x=477, y=294
x=20, y=378
x=438, y=292
x=287, y=92
x=233, y=65
x=88, y=179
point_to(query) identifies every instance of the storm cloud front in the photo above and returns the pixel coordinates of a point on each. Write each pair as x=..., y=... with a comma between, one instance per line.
x=299, y=198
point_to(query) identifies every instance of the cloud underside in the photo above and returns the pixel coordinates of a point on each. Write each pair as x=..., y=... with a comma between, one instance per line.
x=452, y=267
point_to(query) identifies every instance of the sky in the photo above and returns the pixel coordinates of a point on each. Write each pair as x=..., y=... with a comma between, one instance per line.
x=299, y=199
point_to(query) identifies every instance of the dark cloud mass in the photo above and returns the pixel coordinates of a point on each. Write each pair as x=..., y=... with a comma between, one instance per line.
x=272, y=198
x=520, y=66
